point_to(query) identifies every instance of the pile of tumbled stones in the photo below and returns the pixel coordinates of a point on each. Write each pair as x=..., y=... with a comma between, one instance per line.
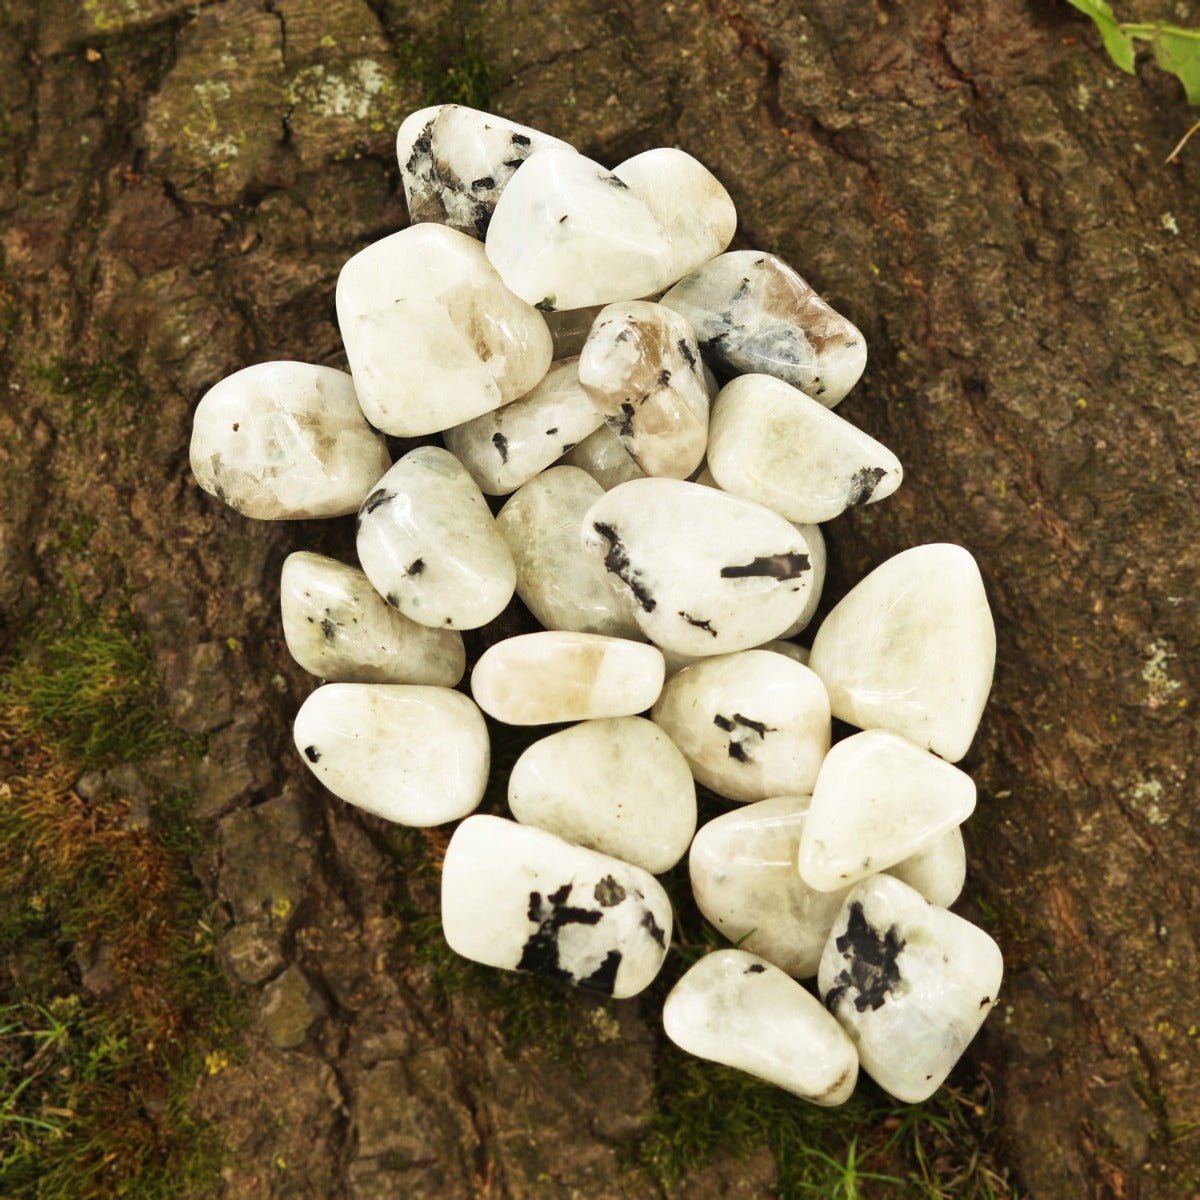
x=663, y=529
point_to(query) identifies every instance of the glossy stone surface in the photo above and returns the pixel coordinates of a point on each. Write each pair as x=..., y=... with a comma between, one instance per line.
x=710, y=573
x=433, y=336
x=455, y=162
x=522, y=899
x=618, y=786
x=939, y=871
x=912, y=649
x=909, y=982
x=415, y=755
x=771, y=443
x=641, y=368
x=505, y=448
x=689, y=201
x=544, y=678
x=285, y=441
x=753, y=313
x=557, y=581
x=429, y=544
x=566, y=233
x=604, y=458
x=878, y=800
x=744, y=878
x=339, y=628
x=788, y=649
x=751, y=725
x=569, y=328
x=737, y=1009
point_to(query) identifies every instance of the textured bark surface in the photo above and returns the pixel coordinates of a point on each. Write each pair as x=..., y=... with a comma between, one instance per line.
x=974, y=185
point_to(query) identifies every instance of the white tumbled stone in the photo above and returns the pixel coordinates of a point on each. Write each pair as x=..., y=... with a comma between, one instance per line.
x=505, y=448
x=415, y=755
x=909, y=982
x=753, y=313
x=771, y=443
x=566, y=233
x=911, y=648
x=744, y=878
x=286, y=441
x=433, y=336
x=788, y=649
x=455, y=162
x=641, y=368
x=618, y=786
x=429, y=544
x=689, y=201
x=557, y=580
x=710, y=573
x=544, y=678
x=604, y=458
x=938, y=871
x=523, y=899
x=738, y=1009
x=339, y=628
x=751, y=725
x=878, y=800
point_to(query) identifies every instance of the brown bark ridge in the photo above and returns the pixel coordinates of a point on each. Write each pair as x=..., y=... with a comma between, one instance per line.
x=974, y=185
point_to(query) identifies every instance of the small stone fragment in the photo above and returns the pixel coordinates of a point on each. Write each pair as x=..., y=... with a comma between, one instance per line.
x=909, y=982
x=771, y=443
x=710, y=573
x=878, y=800
x=455, y=162
x=604, y=458
x=753, y=313
x=544, y=678
x=939, y=871
x=286, y=441
x=339, y=628
x=290, y=1008
x=737, y=1009
x=641, y=368
x=566, y=233
x=414, y=755
x=689, y=201
x=557, y=581
x=506, y=448
x=751, y=725
x=522, y=899
x=569, y=329
x=744, y=878
x=433, y=336
x=912, y=648
x=429, y=544
x=618, y=786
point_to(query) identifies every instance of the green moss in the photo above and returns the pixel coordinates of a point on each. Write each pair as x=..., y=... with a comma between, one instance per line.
x=94, y=392
x=448, y=66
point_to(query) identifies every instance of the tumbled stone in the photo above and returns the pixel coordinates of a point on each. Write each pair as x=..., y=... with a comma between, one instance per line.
x=415, y=755
x=339, y=628
x=544, y=678
x=753, y=313
x=751, y=725
x=909, y=982
x=641, y=368
x=738, y=1009
x=566, y=233
x=522, y=899
x=912, y=648
x=938, y=871
x=618, y=786
x=429, y=544
x=505, y=448
x=689, y=201
x=556, y=579
x=570, y=327
x=771, y=443
x=604, y=458
x=710, y=573
x=744, y=878
x=433, y=336
x=286, y=441
x=788, y=650
x=455, y=162
x=878, y=800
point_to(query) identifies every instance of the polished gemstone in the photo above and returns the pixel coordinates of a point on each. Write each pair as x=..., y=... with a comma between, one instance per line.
x=604, y=458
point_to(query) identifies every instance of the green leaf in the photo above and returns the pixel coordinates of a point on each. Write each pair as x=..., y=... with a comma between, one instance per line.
x=1116, y=41
x=1178, y=51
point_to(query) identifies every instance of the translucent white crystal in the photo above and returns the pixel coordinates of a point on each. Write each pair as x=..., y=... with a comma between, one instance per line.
x=520, y=898
x=938, y=871
x=339, y=628
x=285, y=441
x=604, y=458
